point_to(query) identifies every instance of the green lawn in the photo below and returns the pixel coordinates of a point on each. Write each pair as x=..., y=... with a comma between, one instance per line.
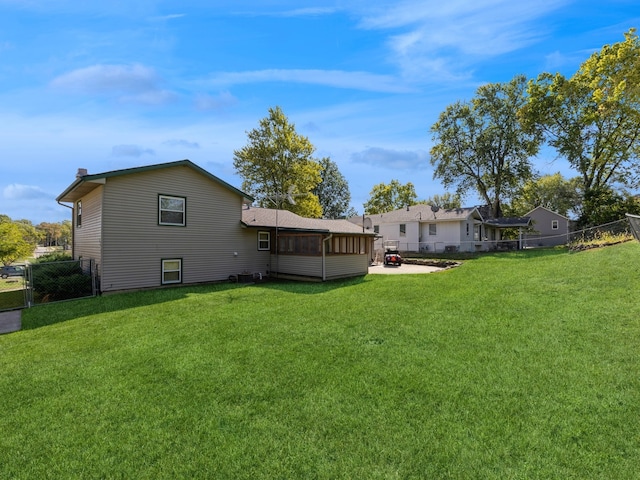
x=517, y=365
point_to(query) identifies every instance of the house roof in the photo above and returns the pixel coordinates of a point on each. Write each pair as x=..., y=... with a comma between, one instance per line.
x=288, y=221
x=548, y=210
x=85, y=183
x=424, y=213
x=509, y=222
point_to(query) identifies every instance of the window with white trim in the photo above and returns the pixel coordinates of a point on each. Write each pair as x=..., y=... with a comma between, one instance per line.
x=554, y=224
x=264, y=241
x=403, y=229
x=171, y=270
x=171, y=210
x=376, y=229
x=433, y=229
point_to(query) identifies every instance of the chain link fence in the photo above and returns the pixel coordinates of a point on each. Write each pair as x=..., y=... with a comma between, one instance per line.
x=62, y=280
x=49, y=282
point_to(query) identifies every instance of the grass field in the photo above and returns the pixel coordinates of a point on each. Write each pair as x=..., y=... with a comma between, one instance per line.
x=517, y=365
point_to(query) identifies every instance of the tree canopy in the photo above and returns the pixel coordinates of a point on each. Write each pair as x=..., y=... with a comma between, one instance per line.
x=550, y=191
x=593, y=118
x=480, y=145
x=387, y=197
x=13, y=244
x=277, y=161
x=333, y=191
x=445, y=201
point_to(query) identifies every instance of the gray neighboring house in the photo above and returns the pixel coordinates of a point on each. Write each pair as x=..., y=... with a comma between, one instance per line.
x=173, y=223
x=548, y=228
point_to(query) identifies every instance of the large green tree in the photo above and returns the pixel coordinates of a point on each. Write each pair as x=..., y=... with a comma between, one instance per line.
x=387, y=197
x=276, y=162
x=445, y=201
x=13, y=244
x=480, y=145
x=333, y=191
x=593, y=119
x=550, y=191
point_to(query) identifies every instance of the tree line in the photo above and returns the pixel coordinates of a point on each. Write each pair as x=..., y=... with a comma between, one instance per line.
x=19, y=238
x=486, y=145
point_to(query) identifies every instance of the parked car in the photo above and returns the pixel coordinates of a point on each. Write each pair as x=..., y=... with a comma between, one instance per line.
x=12, y=271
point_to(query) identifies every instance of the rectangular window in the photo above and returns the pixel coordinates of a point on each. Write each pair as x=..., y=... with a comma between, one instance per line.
x=172, y=271
x=376, y=229
x=554, y=224
x=79, y=213
x=467, y=229
x=432, y=229
x=476, y=233
x=171, y=210
x=264, y=241
x=403, y=229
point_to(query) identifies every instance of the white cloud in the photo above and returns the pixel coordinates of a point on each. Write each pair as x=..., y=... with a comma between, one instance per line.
x=134, y=83
x=15, y=191
x=392, y=159
x=444, y=40
x=330, y=78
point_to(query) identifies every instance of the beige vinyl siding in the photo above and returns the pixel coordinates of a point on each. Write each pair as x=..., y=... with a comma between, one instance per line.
x=338, y=266
x=302, y=265
x=134, y=244
x=88, y=236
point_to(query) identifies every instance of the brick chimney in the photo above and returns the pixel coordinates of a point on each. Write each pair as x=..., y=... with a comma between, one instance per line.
x=81, y=172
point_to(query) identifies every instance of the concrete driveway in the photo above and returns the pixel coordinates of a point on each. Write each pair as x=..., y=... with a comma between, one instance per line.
x=405, y=268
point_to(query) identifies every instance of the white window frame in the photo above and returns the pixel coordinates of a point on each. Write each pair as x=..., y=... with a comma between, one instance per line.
x=403, y=229
x=554, y=224
x=262, y=238
x=183, y=210
x=433, y=229
x=165, y=270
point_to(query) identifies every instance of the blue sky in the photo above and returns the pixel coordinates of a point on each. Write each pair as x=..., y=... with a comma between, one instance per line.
x=105, y=85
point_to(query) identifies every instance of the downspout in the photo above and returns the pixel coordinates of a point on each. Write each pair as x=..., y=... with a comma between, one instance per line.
x=324, y=267
x=73, y=230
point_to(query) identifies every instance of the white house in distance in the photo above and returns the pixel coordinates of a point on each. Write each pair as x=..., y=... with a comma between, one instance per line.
x=548, y=228
x=423, y=228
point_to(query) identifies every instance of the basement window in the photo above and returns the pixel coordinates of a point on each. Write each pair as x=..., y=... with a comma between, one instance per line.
x=171, y=271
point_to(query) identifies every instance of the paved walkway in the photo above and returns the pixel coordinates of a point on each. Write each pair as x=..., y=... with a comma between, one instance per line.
x=405, y=268
x=10, y=321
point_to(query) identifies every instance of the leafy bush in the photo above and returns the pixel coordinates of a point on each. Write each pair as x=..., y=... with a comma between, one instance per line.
x=54, y=257
x=56, y=277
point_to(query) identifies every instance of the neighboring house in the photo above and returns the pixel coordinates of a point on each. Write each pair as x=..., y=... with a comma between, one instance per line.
x=175, y=223
x=422, y=228
x=548, y=228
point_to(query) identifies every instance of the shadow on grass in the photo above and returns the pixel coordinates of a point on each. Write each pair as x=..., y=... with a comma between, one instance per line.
x=43, y=315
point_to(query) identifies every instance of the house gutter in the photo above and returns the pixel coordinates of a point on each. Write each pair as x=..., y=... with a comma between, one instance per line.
x=324, y=266
x=73, y=230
